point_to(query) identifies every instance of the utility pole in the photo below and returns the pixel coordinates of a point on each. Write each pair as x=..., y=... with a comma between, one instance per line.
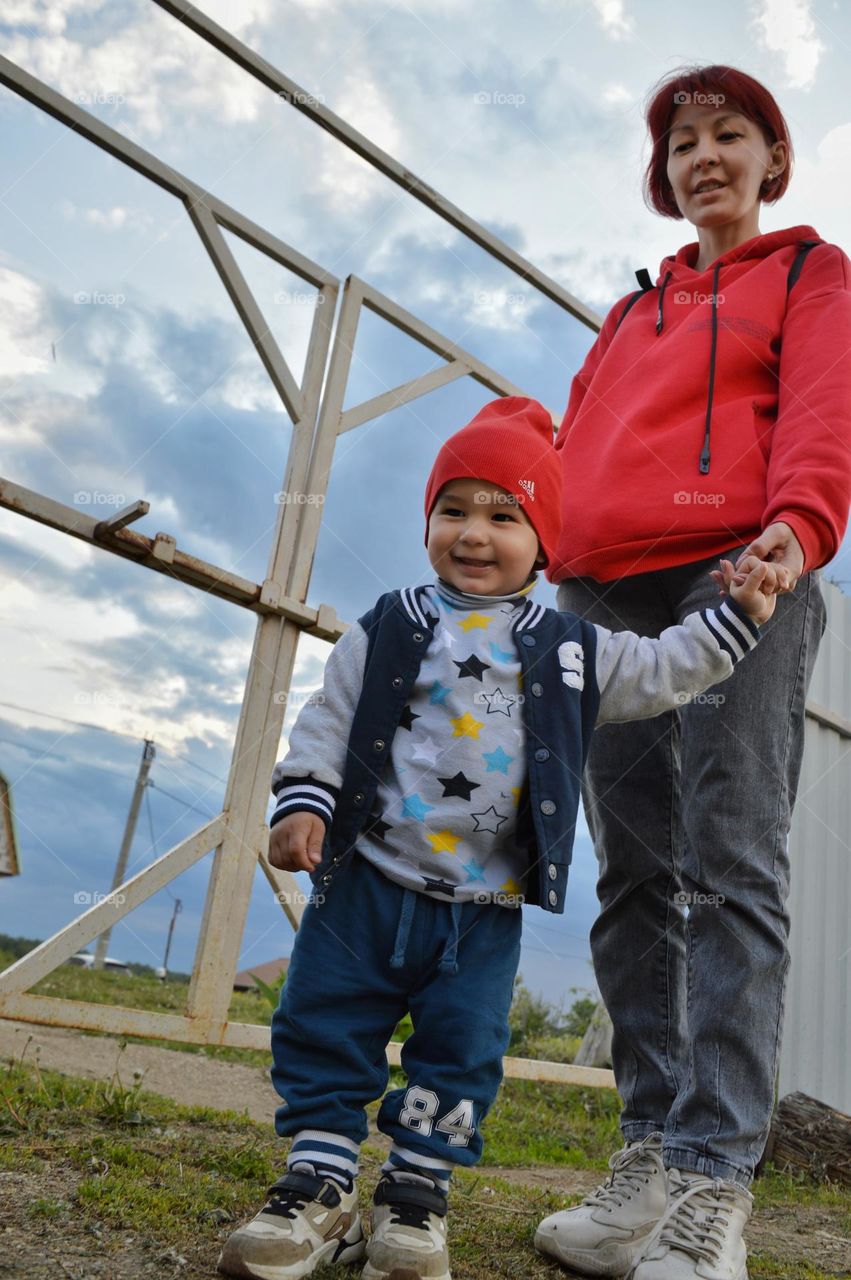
x=178, y=907
x=148, y=754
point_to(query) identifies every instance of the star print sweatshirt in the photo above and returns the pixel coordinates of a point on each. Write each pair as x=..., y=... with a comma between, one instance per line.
x=720, y=367
x=448, y=795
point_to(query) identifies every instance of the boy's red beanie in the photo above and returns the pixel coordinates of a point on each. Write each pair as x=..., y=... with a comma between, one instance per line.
x=509, y=443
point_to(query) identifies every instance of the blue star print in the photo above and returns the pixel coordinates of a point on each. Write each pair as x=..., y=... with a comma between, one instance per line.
x=498, y=761
x=415, y=807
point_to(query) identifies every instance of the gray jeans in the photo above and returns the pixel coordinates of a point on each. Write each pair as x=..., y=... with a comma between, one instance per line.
x=694, y=806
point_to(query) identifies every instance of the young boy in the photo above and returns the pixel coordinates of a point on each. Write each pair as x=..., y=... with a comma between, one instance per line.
x=429, y=790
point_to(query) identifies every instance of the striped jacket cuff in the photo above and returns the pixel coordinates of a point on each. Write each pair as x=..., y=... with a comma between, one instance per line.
x=734, y=631
x=305, y=794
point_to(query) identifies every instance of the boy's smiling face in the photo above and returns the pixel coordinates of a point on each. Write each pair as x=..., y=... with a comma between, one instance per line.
x=480, y=540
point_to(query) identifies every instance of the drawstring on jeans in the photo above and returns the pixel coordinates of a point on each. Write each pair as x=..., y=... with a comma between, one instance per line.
x=449, y=960
x=406, y=915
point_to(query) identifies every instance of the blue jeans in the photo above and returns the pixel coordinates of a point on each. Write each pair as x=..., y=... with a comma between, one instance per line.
x=366, y=953
x=695, y=806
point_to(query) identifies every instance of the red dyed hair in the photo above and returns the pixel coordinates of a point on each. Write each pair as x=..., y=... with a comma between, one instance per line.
x=737, y=89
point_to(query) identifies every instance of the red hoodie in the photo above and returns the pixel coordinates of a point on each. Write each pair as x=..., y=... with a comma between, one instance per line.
x=772, y=389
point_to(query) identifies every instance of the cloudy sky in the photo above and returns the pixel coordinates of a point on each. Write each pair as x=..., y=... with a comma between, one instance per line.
x=125, y=373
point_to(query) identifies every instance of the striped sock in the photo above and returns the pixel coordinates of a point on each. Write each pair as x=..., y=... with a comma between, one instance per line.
x=405, y=1165
x=329, y=1154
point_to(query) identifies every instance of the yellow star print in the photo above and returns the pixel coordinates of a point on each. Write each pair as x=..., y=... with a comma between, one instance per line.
x=474, y=620
x=443, y=842
x=466, y=726
x=515, y=791
x=511, y=886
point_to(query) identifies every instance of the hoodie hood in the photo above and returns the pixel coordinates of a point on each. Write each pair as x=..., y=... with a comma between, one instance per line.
x=681, y=264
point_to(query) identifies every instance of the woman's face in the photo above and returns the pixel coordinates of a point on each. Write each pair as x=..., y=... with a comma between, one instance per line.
x=714, y=143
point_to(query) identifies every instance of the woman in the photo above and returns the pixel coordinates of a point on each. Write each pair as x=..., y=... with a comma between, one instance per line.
x=711, y=417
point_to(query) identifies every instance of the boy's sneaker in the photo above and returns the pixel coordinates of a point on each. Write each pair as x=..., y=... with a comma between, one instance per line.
x=604, y=1234
x=308, y=1221
x=700, y=1234
x=408, y=1240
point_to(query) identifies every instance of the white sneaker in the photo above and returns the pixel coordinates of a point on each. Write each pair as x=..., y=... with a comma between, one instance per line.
x=603, y=1235
x=700, y=1233
x=408, y=1240
x=308, y=1221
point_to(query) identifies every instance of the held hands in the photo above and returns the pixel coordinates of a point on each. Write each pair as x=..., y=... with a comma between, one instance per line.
x=295, y=843
x=753, y=585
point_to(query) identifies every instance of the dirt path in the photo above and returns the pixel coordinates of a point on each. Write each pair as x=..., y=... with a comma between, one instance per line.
x=805, y=1233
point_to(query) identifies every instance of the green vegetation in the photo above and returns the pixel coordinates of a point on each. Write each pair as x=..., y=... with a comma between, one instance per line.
x=180, y=1178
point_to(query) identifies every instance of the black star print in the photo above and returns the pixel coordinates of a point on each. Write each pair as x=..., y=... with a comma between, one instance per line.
x=438, y=886
x=471, y=666
x=376, y=826
x=458, y=786
x=407, y=718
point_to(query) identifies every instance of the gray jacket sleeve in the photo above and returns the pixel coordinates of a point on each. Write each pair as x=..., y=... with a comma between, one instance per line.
x=311, y=773
x=640, y=677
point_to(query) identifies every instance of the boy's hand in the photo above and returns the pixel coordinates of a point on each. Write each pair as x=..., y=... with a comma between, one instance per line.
x=753, y=586
x=295, y=843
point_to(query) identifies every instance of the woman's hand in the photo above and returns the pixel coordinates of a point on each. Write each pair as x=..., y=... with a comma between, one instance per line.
x=780, y=546
x=753, y=586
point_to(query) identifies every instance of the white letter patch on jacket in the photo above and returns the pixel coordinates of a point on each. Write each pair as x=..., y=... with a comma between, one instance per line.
x=571, y=656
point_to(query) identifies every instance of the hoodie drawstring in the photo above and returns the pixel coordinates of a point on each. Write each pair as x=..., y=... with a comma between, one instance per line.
x=704, y=455
x=660, y=311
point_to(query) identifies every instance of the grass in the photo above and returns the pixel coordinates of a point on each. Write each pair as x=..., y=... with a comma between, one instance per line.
x=179, y=1178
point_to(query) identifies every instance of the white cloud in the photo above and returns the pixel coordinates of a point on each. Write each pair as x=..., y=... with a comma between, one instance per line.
x=788, y=30
x=24, y=347
x=614, y=21
x=344, y=177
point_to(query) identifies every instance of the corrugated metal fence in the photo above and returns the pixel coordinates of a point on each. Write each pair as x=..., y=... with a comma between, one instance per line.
x=816, y=1052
